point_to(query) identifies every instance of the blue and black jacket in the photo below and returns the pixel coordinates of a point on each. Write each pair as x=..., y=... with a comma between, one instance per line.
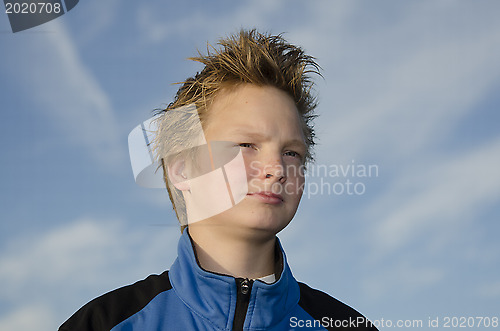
x=190, y=298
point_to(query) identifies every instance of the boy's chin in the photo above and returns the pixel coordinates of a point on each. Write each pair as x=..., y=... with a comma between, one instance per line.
x=252, y=217
x=260, y=223
x=249, y=225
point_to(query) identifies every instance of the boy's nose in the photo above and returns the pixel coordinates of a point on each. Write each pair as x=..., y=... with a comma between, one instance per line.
x=275, y=170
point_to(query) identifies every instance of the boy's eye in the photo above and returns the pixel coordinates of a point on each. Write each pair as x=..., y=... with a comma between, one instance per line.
x=292, y=154
x=246, y=145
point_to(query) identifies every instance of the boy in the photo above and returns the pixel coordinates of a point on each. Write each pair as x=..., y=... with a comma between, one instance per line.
x=232, y=147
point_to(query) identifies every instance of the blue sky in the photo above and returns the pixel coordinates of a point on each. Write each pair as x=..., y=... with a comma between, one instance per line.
x=411, y=87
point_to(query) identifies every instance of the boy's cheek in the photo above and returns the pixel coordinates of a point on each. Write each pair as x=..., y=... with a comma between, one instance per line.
x=253, y=174
x=237, y=178
x=295, y=187
x=252, y=167
x=253, y=185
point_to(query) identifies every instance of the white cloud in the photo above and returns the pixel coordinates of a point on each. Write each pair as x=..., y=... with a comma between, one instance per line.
x=66, y=91
x=66, y=266
x=28, y=318
x=400, y=279
x=102, y=15
x=396, y=89
x=59, y=254
x=393, y=88
x=393, y=94
x=452, y=190
x=79, y=251
x=253, y=14
x=489, y=290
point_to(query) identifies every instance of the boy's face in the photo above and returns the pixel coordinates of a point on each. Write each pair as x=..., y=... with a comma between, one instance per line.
x=264, y=123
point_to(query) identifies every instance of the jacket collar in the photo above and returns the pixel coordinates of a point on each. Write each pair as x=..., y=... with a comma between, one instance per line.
x=213, y=296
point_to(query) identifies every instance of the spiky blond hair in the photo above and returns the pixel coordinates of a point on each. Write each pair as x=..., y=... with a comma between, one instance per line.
x=245, y=57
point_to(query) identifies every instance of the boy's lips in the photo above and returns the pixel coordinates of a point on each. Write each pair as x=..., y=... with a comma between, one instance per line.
x=268, y=197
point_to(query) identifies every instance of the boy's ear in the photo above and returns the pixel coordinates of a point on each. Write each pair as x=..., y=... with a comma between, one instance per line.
x=177, y=174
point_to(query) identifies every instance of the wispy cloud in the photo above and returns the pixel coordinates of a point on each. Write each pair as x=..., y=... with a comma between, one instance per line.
x=84, y=258
x=60, y=254
x=29, y=317
x=395, y=92
x=490, y=290
x=399, y=81
x=66, y=91
x=408, y=83
x=401, y=279
x=196, y=22
x=402, y=81
x=452, y=190
x=102, y=15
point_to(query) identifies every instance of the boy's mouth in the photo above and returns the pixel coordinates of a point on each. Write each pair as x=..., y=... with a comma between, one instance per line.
x=268, y=197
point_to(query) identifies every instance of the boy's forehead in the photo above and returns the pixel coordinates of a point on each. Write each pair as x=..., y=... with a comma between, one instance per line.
x=250, y=133
x=253, y=132
x=237, y=124
x=245, y=93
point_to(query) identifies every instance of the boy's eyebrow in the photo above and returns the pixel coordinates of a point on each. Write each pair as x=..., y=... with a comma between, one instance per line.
x=248, y=133
x=260, y=136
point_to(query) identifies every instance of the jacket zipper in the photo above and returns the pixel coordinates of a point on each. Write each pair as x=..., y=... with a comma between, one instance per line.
x=243, y=287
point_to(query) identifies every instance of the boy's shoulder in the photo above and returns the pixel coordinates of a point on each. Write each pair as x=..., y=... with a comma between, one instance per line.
x=112, y=308
x=332, y=313
x=108, y=310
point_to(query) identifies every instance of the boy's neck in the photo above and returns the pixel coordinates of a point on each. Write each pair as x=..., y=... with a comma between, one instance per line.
x=237, y=255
